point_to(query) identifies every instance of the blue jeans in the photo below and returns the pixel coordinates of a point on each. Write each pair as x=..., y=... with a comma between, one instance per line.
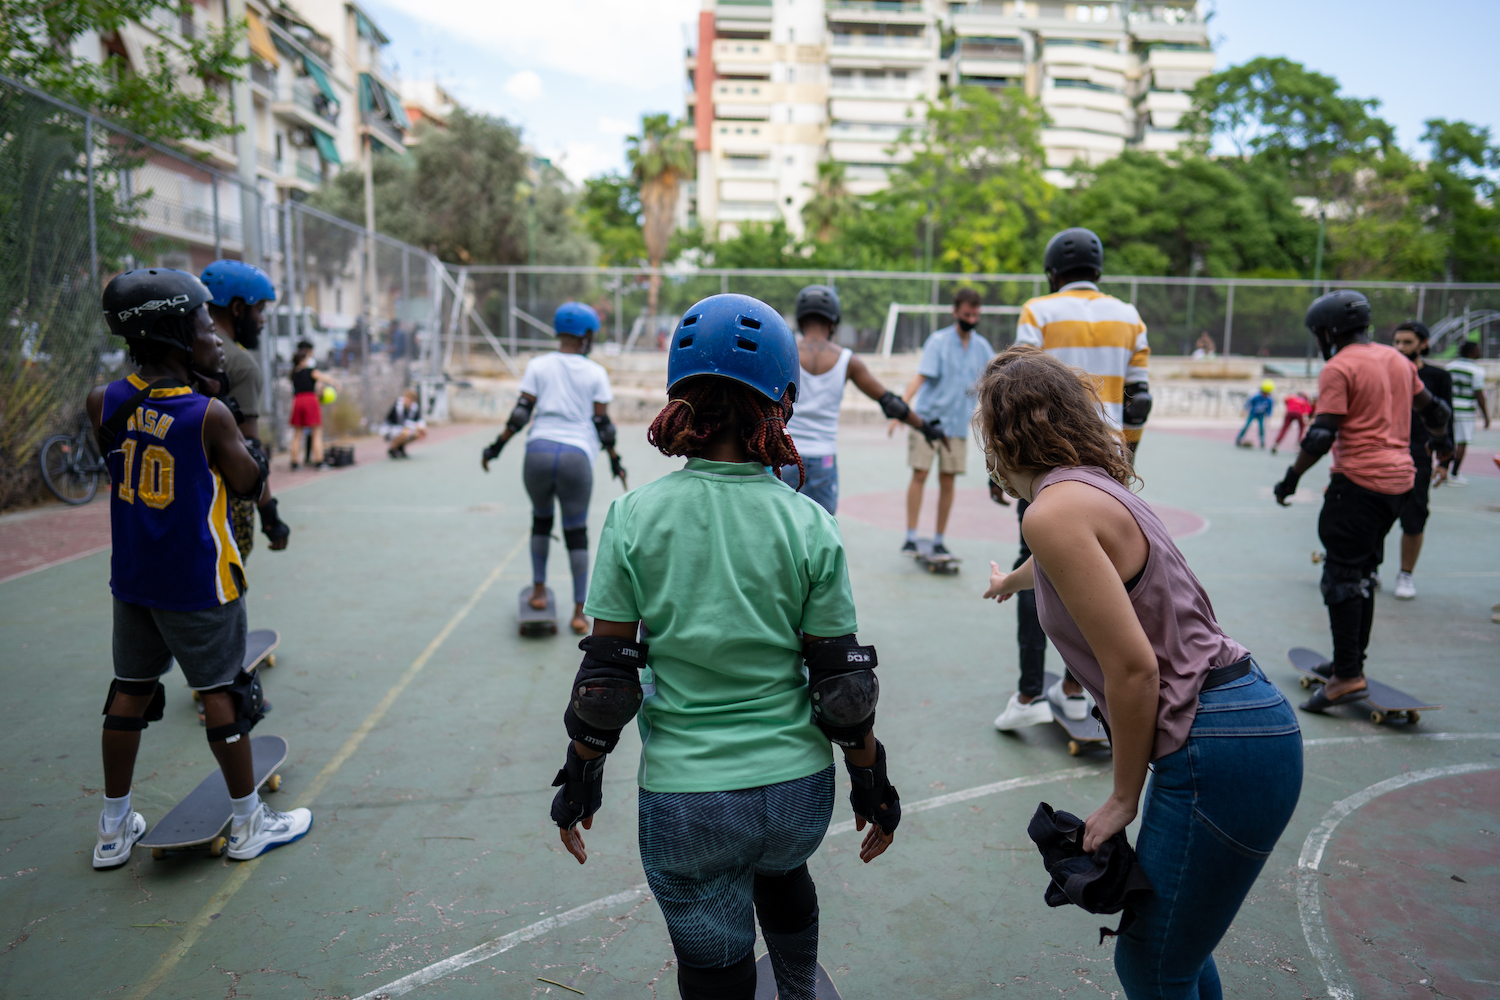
x=1214, y=810
x=822, y=480
x=1254, y=418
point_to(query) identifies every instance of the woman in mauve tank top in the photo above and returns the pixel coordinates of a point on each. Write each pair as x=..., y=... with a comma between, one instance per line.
x=1136, y=628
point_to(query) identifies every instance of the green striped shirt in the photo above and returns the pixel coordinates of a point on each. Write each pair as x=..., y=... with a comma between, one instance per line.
x=1468, y=378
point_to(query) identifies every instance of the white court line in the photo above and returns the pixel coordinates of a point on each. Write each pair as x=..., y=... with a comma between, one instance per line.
x=1309, y=903
x=980, y=791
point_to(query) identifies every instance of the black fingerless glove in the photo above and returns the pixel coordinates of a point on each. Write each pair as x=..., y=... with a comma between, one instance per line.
x=271, y=524
x=617, y=468
x=872, y=795
x=580, y=789
x=932, y=430
x=1287, y=486
x=492, y=451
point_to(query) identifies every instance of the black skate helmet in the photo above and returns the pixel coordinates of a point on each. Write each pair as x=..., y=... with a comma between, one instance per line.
x=819, y=300
x=1337, y=313
x=1073, y=250
x=136, y=302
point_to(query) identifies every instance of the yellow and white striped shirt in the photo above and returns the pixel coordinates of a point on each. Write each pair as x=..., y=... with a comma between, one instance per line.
x=1084, y=328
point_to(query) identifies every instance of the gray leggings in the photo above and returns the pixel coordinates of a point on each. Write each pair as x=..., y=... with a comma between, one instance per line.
x=562, y=474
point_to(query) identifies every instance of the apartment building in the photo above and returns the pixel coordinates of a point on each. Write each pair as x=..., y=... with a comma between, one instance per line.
x=777, y=85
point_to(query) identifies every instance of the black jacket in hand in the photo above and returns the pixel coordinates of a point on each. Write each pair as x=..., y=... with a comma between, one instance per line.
x=1107, y=881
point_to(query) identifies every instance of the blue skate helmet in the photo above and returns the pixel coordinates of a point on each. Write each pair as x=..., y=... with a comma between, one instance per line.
x=234, y=279
x=738, y=337
x=575, y=319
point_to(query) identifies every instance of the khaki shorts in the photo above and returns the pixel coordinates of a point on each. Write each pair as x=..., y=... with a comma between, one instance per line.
x=919, y=454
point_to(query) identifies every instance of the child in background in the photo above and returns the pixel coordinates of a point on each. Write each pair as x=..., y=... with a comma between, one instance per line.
x=1298, y=409
x=1258, y=407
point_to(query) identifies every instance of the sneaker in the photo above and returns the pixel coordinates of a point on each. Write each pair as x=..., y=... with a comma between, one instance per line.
x=1074, y=706
x=1405, y=589
x=939, y=549
x=1457, y=480
x=909, y=547
x=265, y=829
x=1017, y=715
x=112, y=849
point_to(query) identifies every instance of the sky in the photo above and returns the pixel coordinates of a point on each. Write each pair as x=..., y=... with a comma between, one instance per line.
x=577, y=75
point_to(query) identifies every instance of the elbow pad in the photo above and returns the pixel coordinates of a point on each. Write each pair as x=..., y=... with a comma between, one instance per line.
x=1318, y=440
x=606, y=691
x=262, y=464
x=841, y=682
x=520, y=415
x=1137, y=404
x=894, y=406
x=606, y=429
x=1435, y=418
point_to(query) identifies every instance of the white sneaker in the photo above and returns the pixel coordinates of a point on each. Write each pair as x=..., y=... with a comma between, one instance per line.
x=1017, y=715
x=1405, y=589
x=266, y=828
x=1457, y=480
x=112, y=849
x=1074, y=706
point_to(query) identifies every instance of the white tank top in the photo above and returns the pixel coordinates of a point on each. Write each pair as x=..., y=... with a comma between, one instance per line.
x=814, y=426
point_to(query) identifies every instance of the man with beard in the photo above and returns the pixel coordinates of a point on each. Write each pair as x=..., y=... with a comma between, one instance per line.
x=1411, y=340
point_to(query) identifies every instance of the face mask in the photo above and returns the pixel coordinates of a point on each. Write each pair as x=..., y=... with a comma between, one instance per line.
x=965, y=325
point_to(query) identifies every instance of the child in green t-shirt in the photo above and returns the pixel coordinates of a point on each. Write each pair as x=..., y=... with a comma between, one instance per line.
x=736, y=582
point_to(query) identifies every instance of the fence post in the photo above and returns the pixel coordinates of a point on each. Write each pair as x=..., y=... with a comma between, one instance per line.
x=510, y=309
x=619, y=330
x=1229, y=318
x=1133, y=284
x=724, y=282
x=1421, y=300
x=932, y=323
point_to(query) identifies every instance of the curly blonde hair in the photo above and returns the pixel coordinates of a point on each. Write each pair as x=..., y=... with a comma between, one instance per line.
x=1036, y=413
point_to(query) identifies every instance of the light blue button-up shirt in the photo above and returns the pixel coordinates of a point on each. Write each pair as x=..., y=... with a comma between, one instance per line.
x=951, y=370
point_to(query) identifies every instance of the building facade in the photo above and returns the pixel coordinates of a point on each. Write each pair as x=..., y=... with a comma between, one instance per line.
x=775, y=86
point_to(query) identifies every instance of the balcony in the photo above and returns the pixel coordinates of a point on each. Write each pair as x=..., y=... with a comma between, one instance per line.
x=305, y=104
x=1071, y=52
x=266, y=160
x=743, y=15
x=748, y=211
x=877, y=49
x=1165, y=108
x=743, y=91
x=745, y=166
x=877, y=11
x=382, y=130
x=743, y=56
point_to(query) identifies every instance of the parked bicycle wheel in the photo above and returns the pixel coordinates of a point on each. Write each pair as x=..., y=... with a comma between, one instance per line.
x=70, y=469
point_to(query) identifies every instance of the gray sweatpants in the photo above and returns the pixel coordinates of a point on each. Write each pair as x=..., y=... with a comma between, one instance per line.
x=559, y=474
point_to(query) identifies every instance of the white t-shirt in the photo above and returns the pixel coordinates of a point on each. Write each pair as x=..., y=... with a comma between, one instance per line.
x=814, y=426
x=566, y=387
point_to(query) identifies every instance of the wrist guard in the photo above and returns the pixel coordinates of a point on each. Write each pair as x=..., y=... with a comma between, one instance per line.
x=932, y=430
x=520, y=415
x=271, y=524
x=871, y=793
x=1435, y=418
x=580, y=789
x=894, y=406
x=1287, y=486
x=617, y=468
x=606, y=429
x=262, y=464
x=491, y=452
x=842, y=685
x=1137, y=404
x=606, y=691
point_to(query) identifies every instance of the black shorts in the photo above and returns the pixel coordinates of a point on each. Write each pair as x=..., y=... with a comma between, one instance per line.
x=1414, y=507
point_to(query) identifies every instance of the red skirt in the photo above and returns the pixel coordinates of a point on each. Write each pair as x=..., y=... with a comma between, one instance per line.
x=306, y=411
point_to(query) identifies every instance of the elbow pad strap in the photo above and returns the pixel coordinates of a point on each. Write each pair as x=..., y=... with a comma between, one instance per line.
x=1435, y=418
x=842, y=685
x=606, y=429
x=894, y=406
x=606, y=691
x=520, y=416
x=1318, y=440
x=263, y=464
x=1137, y=404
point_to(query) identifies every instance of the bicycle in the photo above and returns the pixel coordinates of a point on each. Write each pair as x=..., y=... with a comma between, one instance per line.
x=71, y=464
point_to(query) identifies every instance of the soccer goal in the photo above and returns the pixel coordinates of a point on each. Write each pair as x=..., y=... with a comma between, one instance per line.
x=888, y=335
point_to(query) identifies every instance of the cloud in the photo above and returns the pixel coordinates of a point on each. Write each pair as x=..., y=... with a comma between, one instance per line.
x=524, y=86
x=582, y=159
x=635, y=44
x=615, y=126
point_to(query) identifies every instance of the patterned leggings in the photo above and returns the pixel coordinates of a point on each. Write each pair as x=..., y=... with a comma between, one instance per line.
x=715, y=860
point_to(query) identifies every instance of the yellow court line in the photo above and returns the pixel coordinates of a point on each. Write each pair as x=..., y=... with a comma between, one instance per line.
x=245, y=869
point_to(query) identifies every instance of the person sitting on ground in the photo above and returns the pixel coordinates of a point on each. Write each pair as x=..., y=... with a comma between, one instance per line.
x=1178, y=697
x=403, y=424
x=1297, y=408
x=307, y=406
x=825, y=368
x=175, y=572
x=733, y=591
x=1257, y=408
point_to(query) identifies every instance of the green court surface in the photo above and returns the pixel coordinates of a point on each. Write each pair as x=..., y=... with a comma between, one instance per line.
x=425, y=733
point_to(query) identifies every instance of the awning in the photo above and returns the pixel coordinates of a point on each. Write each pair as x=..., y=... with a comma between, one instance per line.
x=326, y=149
x=260, y=39
x=376, y=99
x=398, y=112
x=320, y=78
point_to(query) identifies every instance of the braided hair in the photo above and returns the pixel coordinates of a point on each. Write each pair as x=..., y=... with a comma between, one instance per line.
x=701, y=407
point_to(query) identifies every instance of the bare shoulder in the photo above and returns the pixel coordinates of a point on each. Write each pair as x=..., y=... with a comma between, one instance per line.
x=1068, y=511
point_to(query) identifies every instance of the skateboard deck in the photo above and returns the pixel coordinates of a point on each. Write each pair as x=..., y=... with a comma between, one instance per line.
x=765, y=982
x=532, y=621
x=935, y=563
x=260, y=648
x=1083, y=734
x=1386, y=703
x=200, y=818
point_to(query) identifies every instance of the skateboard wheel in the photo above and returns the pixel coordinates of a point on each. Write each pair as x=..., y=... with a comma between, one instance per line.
x=197, y=696
x=273, y=783
x=157, y=853
x=1412, y=718
x=1306, y=682
x=270, y=660
x=217, y=845
x=1377, y=717
x=1074, y=748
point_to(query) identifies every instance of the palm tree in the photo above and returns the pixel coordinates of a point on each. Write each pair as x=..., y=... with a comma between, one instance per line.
x=831, y=201
x=660, y=160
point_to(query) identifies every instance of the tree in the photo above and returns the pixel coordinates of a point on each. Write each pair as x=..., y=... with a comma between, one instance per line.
x=611, y=212
x=831, y=202
x=1462, y=185
x=660, y=160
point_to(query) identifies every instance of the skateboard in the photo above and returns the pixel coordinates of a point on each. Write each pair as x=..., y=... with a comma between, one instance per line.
x=935, y=564
x=199, y=819
x=1083, y=734
x=532, y=621
x=765, y=982
x=260, y=650
x=1386, y=703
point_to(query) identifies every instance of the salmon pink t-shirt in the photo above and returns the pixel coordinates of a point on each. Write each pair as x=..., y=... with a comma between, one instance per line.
x=1371, y=386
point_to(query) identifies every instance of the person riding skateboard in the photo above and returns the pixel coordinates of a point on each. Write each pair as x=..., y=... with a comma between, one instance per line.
x=1366, y=393
x=176, y=457
x=570, y=394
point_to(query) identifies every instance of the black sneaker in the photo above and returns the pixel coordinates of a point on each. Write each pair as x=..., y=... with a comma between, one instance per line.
x=909, y=547
x=939, y=549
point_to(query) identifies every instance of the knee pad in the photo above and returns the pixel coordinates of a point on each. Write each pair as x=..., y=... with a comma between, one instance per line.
x=135, y=723
x=249, y=707
x=786, y=904
x=541, y=525
x=576, y=538
x=732, y=982
x=844, y=690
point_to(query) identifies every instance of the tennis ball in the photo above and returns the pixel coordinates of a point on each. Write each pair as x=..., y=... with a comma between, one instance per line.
x=328, y=395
